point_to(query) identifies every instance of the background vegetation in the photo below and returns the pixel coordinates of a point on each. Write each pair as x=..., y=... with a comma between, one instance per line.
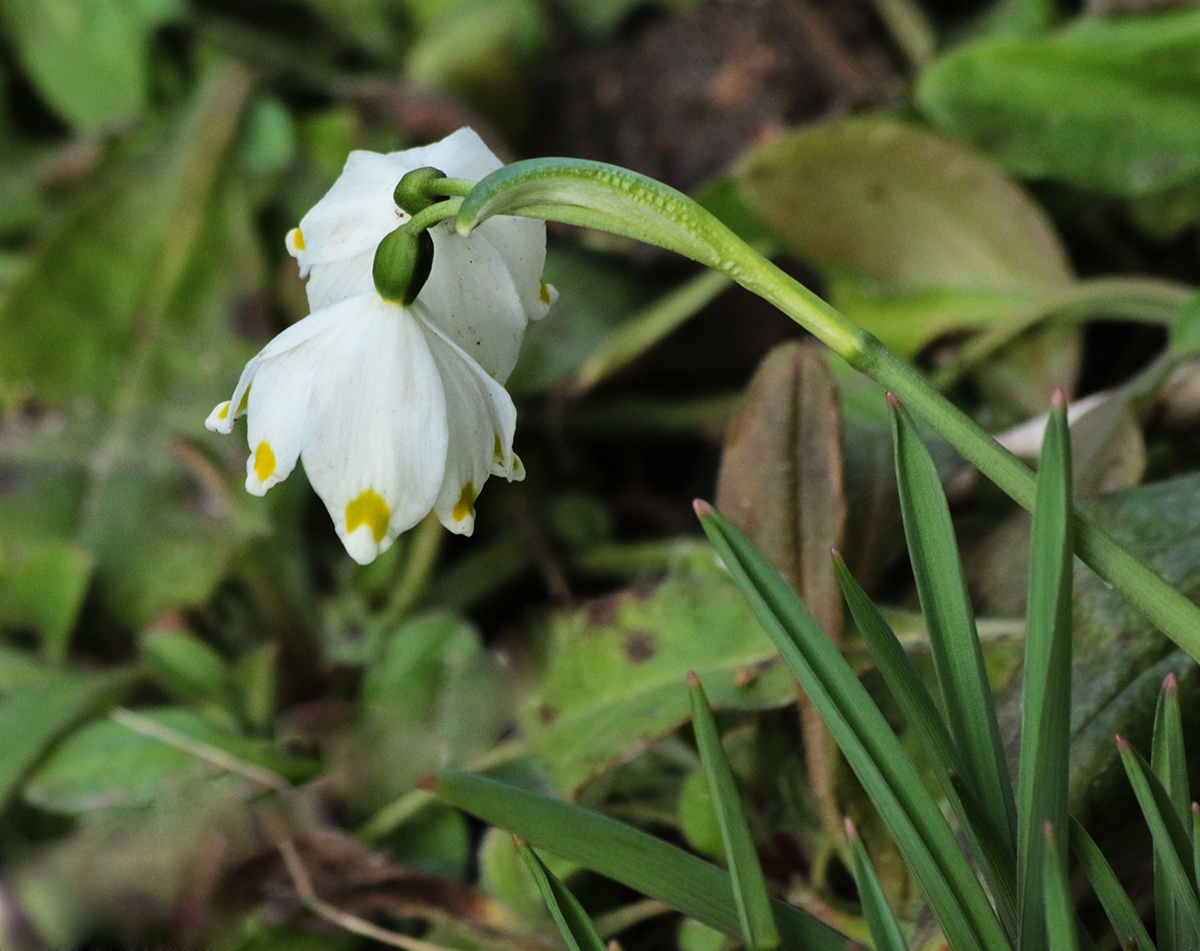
x=213, y=725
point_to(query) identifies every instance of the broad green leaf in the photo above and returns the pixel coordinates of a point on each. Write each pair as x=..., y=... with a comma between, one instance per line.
x=33, y=719
x=1105, y=104
x=107, y=764
x=573, y=923
x=1046, y=694
x=42, y=585
x=611, y=685
x=1172, y=844
x=749, y=888
x=1056, y=899
x=1169, y=762
x=912, y=817
x=88, y=58
x=904, y=207
x=957, y=655
x=187, y=666
x=1122, y=915
x=634, y=858
x=885, y=930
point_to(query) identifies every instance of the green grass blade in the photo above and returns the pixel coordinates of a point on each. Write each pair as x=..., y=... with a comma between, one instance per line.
x=885, y=930
x=1196, y=842
x=1046, y=691
x=1169, y=762
x=1060, y=913
x=921, y=714
x=634, y=858
x=573, y=923
x=1171, y=842
x=1123, y=917
x=957, y=656
x=871, y=748
x=749, y=888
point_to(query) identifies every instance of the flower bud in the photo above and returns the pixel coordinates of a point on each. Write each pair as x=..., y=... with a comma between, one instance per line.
x=402, y=264
x=411, y=194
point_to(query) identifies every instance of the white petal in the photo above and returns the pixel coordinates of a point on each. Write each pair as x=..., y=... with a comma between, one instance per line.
x=336, y=240
x=481, y=420
x=473, y=298
x=375, y=449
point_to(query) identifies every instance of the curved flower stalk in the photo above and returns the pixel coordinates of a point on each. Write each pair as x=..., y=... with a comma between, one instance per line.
x=394, y=409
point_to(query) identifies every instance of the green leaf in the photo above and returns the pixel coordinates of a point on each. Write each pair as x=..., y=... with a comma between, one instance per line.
x=1169, y=762
x=749, y=887
x=946, y=604
x=1125, y=920
x=32, y=720
x=920, y=713
x=891, y=781
x=88, y=58
x=1046, y=688
x=1185, y=329
x=43, y=584
x=573, y=923
x=106, y=764
x=610, y=687
x=901, y=205
x=885, y=930
x=1121, y=93
x=636, y=859
x=1172, y=845
x=1059, y=910
x=186, y=666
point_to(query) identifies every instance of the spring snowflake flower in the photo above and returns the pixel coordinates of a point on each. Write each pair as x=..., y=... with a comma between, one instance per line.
x=395, y=410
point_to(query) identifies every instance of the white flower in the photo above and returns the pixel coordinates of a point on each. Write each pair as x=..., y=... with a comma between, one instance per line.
x=394, y=410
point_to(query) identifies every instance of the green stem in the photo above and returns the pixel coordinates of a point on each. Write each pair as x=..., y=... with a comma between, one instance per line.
x=423, y=220
x=610, y=198
x=452, y=187
x=1169, y=610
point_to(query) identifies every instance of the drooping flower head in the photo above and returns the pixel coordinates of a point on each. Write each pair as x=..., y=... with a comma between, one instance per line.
x=395, y=410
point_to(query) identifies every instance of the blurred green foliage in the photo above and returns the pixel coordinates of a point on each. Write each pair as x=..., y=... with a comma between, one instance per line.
x=191, y=676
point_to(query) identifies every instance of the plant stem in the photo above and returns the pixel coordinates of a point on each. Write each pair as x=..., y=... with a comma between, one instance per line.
x=1167, y=608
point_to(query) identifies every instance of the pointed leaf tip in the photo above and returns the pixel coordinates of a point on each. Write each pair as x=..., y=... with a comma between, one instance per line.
x=851, y=829
x=1170, y=684
x=692, y=679
x=701, y=508
x=1122, y=743
x=893, y=401
x=1058, y=399
x=835, y=554
x=1048, y=829
x=428, y=783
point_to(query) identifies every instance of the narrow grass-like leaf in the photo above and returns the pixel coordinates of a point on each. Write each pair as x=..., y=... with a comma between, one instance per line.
x=921, y=714
x=954, y=643
x=1169, y=762
x=1171, y=842
x=1060, y=929
x=634, y=858
x=885, y=930
x=573, y=923
x=866, y=740
x=1046, y=690
x=1123, y=917
x=1196, y=842
x=749, y=888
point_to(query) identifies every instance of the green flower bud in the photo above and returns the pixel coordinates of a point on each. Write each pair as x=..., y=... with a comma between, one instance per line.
x=412, y=194
x=402, y=264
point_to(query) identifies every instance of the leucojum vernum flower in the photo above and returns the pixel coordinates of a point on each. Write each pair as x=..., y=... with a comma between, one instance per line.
x=395, y=409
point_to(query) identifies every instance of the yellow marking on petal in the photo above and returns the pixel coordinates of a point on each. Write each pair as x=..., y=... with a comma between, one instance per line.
x=243, y=402
x=497, y=448
x=368, y=509
x=465, y=506
x=544, y=293
x=298, y=239
x=223, y=411
x=264, y=461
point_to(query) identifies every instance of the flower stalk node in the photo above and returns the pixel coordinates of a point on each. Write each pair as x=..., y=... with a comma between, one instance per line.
x=402, y=264
x=413, y=193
